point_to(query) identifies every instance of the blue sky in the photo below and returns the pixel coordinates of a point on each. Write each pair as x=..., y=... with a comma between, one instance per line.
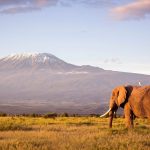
x=104, y=33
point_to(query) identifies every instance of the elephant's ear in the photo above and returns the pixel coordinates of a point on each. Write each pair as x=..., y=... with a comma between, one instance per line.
x=121, y=95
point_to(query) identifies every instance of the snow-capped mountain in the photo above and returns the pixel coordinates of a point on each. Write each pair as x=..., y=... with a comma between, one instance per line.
x=42, y=61
x=41, y=82
x=33, y=61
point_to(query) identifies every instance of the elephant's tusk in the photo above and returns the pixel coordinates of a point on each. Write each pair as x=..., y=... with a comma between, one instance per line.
x=105, y=113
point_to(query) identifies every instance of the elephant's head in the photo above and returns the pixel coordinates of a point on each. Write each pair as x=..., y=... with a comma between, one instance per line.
x=117, y=98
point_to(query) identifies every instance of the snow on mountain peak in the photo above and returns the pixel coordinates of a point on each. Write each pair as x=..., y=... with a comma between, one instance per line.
x=30, y=55
x=34, y=57
x=33, y=60
x=23, y=55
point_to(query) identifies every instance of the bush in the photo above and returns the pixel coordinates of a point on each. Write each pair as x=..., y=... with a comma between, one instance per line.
x=34, y=115
x=3, y=114
x=64, y=115
x=94, y=115
x=50, y=115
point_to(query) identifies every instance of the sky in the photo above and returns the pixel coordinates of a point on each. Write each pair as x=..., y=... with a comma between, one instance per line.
x=105, y=33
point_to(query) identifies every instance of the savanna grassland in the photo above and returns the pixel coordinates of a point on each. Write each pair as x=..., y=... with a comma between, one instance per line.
x=72, y=133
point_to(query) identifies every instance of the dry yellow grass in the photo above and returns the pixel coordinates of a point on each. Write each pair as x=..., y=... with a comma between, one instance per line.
x=79, y=133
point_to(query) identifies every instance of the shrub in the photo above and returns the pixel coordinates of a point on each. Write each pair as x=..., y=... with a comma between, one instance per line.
x=3, y=114
x=64, y=115
x=50, y=115
x=94, y=115
x=34, y=115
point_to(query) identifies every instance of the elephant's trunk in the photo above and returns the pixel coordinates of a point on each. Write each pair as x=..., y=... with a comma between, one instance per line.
x=111, y=115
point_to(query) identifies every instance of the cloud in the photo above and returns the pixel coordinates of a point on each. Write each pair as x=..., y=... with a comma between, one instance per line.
x=20, y=6
x=19, y=9
x=97, y=3
x=138, y=9
x=112, y=61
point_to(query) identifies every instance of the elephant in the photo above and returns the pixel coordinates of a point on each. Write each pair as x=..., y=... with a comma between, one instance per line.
x=135, y=100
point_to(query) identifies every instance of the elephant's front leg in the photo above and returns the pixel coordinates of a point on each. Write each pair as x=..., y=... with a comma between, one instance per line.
x=128, y=116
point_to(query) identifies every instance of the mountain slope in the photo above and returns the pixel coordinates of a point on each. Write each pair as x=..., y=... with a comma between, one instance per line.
x=33, y=61
x=50, y=84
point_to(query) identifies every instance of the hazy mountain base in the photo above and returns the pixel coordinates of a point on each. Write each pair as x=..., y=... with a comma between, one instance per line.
x=43, y=91
x=23, y=108
x=39, y=83
x=73, y=133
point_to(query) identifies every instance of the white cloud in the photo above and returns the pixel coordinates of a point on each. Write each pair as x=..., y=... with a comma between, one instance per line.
x=112, y=61
x=20, y=6
x=135, y=10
